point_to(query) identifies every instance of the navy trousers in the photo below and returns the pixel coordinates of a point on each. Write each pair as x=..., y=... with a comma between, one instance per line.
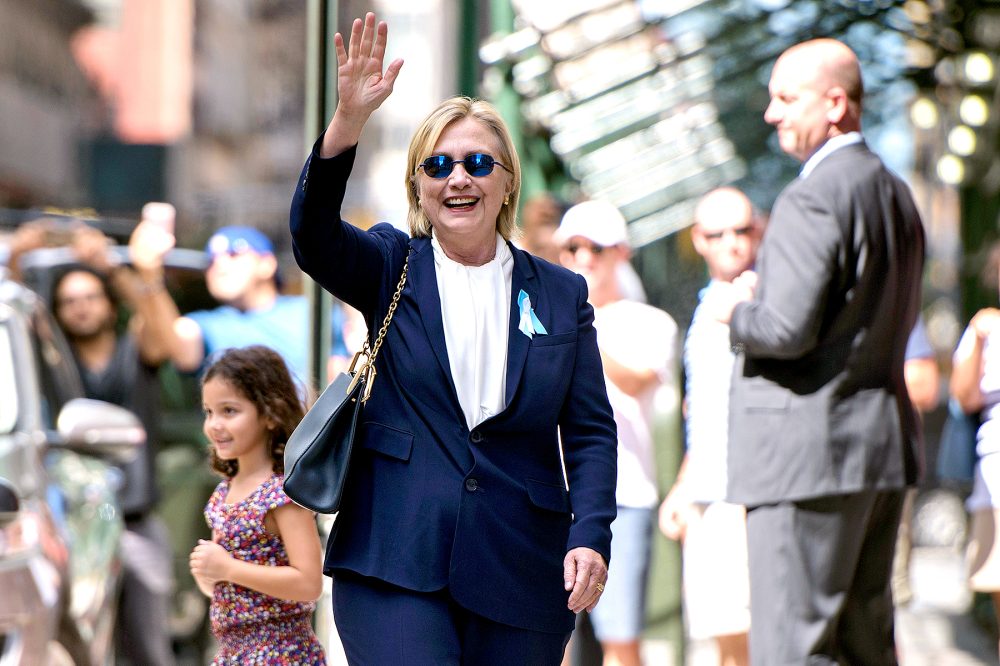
x=381, y=625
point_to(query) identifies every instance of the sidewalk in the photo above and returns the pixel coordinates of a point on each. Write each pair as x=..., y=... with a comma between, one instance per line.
x=935, y=629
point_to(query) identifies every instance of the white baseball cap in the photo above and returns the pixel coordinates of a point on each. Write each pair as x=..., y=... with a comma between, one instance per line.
x=597, y=221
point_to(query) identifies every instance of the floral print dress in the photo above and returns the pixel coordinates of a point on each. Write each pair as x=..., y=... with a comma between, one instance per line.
x=252, y=627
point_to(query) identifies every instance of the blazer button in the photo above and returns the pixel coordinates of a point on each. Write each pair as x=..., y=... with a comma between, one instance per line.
x=476, y=436
x=471, y=485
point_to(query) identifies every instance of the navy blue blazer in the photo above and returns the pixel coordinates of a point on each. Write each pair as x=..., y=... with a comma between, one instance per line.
x=429, y=504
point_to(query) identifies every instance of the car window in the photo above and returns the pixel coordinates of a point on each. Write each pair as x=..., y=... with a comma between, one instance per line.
x=9, y=403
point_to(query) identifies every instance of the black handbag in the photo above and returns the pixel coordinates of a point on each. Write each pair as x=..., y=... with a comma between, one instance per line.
x=318, y=452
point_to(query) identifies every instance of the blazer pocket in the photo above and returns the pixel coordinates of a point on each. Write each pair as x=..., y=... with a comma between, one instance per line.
x=387, y=440
x=551, y=340
x=550, y=496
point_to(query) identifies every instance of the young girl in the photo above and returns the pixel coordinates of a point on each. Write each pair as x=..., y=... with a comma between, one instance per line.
x=262, y=566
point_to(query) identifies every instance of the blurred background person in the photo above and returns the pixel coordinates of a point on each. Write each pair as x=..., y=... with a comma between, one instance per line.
x=923, y=385
x=638, y=345
x=121, y=368
x=540, y=218
x=975, y=384
x=716, y=587
x=243, y=277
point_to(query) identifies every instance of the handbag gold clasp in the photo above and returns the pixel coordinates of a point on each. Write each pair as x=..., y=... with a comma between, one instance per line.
x=369, y=382
x=356, y=372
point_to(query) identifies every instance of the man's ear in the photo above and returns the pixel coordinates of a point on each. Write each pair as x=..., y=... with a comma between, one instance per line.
x=267, y=266
x=837, y=109
x=699, y=242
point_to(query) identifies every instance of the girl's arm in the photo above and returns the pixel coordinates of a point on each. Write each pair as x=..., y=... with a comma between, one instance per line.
x=206, y=586
x=204, y=583
x=300, y=580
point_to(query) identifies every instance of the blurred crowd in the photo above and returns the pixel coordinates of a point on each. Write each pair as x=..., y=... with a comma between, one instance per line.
x=129, y=333
x=123, y=326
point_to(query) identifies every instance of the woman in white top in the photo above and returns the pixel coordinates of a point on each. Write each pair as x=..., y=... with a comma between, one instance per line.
x=975, y=384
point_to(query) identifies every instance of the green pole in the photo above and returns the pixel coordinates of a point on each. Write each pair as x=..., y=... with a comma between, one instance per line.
x=508, y=102
x=321, y=100
x=468, y=49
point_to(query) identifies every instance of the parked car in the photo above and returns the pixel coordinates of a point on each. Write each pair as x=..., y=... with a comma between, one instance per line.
x=59, y=518
x=183, y=476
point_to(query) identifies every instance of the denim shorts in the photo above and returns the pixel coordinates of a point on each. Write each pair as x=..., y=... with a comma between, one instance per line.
x=619, y=616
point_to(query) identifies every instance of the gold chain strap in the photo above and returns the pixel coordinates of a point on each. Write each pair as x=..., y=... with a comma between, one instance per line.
x=367, y=370
x=392, y=309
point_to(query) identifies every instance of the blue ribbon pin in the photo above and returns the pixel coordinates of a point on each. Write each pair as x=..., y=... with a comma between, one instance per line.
x=528, y=324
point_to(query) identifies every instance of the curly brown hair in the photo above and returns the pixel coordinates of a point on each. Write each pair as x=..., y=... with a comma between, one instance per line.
x=261, y=376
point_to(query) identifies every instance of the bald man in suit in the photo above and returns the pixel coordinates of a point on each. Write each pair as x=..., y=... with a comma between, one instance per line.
x=824, y=439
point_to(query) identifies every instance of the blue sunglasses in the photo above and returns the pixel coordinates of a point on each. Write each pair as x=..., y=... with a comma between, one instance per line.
x=476, y=164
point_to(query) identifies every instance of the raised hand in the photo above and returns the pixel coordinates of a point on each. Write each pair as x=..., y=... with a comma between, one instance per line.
x=91, y=247
x=147, y=247
x=362, y=84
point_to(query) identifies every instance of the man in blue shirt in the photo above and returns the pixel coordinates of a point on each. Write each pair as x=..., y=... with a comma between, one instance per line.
x=243, y=277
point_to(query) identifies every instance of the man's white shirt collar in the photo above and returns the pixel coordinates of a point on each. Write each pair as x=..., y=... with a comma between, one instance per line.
x=831, y=145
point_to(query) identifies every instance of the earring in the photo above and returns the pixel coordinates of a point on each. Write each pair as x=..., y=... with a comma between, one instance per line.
x=506, y=200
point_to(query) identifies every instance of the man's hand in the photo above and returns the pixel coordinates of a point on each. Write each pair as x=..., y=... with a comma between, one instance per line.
x=91, y=247
x=722, y=300
x=29, y=236
x=584, y=575
x=148, y=246
x=673, y=514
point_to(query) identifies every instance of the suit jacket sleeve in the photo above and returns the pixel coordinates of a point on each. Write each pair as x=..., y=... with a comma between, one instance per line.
x=348, y=262
x=589, y=440
x=798, y=267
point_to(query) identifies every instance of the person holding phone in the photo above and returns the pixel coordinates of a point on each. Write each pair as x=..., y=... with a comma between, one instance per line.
x=243, y=276
x=121, y=368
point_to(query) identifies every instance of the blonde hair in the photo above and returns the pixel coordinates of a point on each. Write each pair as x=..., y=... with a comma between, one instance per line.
x=426, y=137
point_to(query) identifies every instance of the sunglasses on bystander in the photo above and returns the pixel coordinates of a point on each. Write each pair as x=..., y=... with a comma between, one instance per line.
x=736, y=231
x=594, y=248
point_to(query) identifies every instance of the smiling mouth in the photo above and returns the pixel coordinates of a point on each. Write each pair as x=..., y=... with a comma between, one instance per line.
x=461, y=202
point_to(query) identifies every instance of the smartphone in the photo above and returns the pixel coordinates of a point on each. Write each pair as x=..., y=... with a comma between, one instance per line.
x=161, y=214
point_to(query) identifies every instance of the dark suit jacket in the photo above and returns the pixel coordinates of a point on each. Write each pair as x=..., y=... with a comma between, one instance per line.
x=430, y=504
x=818, y=403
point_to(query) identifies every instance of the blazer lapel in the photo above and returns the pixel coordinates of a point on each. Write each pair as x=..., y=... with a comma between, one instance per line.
x=522, y=277
x=423, y=277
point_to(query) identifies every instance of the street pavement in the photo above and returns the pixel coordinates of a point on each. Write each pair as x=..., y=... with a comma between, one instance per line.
x=936, y=627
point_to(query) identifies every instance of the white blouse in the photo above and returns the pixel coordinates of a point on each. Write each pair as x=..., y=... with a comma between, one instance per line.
x=475, y=310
